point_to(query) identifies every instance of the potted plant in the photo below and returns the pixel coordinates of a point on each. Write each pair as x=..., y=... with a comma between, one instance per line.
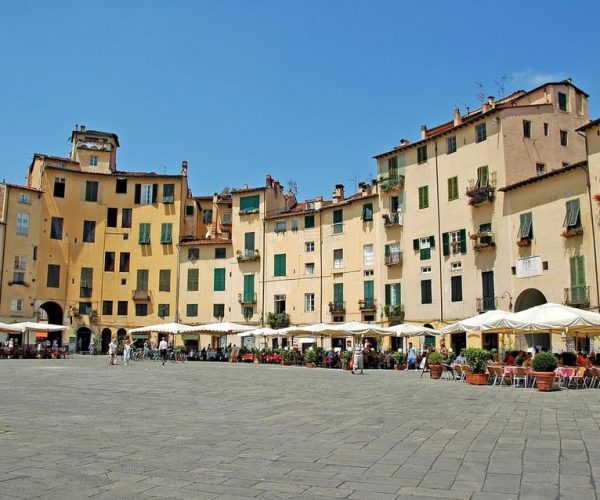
x=399, y=359
x=257, y=356
x=544, y=364
x=309, y=358
x=477, y=359
x=434, y=360
x=346, y=360
x=288, y=357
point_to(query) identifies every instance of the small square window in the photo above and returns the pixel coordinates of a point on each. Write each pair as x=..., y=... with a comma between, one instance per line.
x=309, y=246
x=280, y=226
x=426, y=270
x=121, y=186
x=540, y=168
x=309, y=268
x=422, y=154
x=193, y=253
x=480, y=132
x=220, y=253
x=369, y=272
x=563, y=138
x=455, y=267
x=451, y=145
x=93, y=161
x=189, y=210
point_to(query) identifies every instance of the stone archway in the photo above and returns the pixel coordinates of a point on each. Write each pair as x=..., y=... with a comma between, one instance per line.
x=50, y=312
x=105, y=339
x=84, y=335
x=529, y=298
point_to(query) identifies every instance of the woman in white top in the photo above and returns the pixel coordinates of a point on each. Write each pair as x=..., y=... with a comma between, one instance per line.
x=112, y=352
x=126, y=352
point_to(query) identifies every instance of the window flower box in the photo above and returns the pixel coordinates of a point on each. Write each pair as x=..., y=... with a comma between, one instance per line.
x=570, y=232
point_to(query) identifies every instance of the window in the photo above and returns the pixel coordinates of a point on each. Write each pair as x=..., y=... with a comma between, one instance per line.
x=19, y=270
x=219, y=310
x=85, y=282
x=455, y=267
x=248, y=312
x=295, y=225
x=191, y=310
x=189, y=210
x=392, y=294
x=338, y=258
x=85, y=308
x=219, y=279
x=89, y=231
x=483, y=176
x=109, y=262
x=59, y=187
x=422, y=154
x=166, y=233
x=454, y=242
x=124, y=262
x=145, y=194
x=526, y=226
x=426, y=270
x=141, y=309
x=452, y=188
x=249, y=204
x=309, y=221
x=193, y=253
x=24, y=198
x=121, y=186
x=168, y=193
x=16, y=305
x=367, y=212
x=424, y=197
x=369, y=293
x=22, y=224
x=309, y=246
x=163, y=310
x=426, y=292
x=572, y=217
x=193, y=280
x=142, y=280
x=279, y=304
x=280, y=226
x=368, y=256
x=111, y=217
x=249, y=241
x=122, y=308
x=126, y=218
x=563, y=138
x=540, y=168
x=207, y=216
x=451, y=145
x=164, y=280
x=527, y=129
x=546, y=129
x=424, y=246
x=226, y=219
x=309, y=302
x=309, y=268
x=56, y=228
x=91, y=191
x=35, y=251
x=220, y=253
x=279, y=264
x=144, y=236
x=480, y=132
x=93, y=161
x=562, y=101
x=456, y=287
x=53, y=277
x=107, y=307
x=338, y=297
x=338, y=221
x=248, y=295
x=369, y=273
x=578, y=287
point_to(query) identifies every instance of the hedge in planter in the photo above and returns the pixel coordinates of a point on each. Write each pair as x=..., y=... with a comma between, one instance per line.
x=478, y=360
x=434, y=360
x=544, y=364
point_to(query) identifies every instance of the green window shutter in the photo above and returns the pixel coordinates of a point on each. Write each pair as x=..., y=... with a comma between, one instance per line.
x=432, y=241
x=249, y=241
x=577, y=271
x=142, y=279
x=463, y=241
x=279, y=264
x=450, y=189
x=446, y=244
x=367, y=211
x=192, y=280
x=388, y=295
x=426, y=196
x=369, y=290
x=249, y=203
x=525, y=225
x=416, y=244
x=219, y=279
x=164, y=280
x=425, y=253
x=248, y=288
x=309, y=221
x=166, y=233
x=144, y=237
x=338, y=292
x=397, y=295
x=387, y=250
x=154, y=193
x=338, y=216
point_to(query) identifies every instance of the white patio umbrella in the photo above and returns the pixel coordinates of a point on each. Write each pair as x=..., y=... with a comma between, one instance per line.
x=258, y=332
x=170, y=328
x=221, y=328
x=27, y=327
x=407, y=330
x=489, y=320
x=358, y=328
x=551, y=316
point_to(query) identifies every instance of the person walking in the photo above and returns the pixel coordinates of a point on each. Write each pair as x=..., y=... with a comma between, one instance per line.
x=162, y=347
x=112, y=352
x=412, y=357
x=126, y=352
x=92, y=347
x=358, y=361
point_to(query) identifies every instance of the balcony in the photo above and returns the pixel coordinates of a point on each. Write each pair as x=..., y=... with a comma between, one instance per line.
x=248, y=211
x=391, y=182
x=480, y=194
x=577, y=296
x=392, y=219
x=141, y=295
x=486, y=304
x=395, y=312
x=483, y=240
x=247, y=255
x=367, y=305
x=247, y=298
x=393, y=258
x=337, y=307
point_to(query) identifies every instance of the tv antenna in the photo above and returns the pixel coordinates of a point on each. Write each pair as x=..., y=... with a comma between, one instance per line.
x=501, y=85
x=481, y=94
x=293, y=187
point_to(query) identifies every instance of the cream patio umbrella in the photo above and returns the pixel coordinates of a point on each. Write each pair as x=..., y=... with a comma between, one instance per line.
x=164, y=328
x=221, y=328
x=489, y=320
x=408, y=330
x=27, y=327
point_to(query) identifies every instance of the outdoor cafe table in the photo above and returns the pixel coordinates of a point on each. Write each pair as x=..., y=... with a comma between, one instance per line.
x=566, y=372
x=509, y=371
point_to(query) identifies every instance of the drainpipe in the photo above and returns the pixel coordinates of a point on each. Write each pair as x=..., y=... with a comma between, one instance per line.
x=320, y=268
x=439, y=227
x=263, y=259
x=5, y=211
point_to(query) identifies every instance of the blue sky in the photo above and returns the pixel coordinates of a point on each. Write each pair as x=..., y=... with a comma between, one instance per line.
x=305, y=91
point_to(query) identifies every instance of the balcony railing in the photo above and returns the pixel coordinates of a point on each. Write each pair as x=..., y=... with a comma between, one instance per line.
x=577, y=296
x=367, y=305
x=141, y=295
x=247, y=298
x=337, y=307
x=392, y=219
x=248, y=211
x=395, y=181
x=247, y=254
x=483, y=240
x=393, y=258
x=394, y=312
x=480, y=194
x=486, y=304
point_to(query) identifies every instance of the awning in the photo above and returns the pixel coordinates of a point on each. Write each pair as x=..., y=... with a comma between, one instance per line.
x=41, y=335
x=189, y=336
x=140, y=336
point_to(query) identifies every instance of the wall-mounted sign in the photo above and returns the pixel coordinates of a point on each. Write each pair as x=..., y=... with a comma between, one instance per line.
x=529, y=266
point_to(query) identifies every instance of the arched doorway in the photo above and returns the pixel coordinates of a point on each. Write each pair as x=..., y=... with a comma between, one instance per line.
x=84, y=335
x=51, y=313
x=106, y=337
x=121, y=334
x=529, y=298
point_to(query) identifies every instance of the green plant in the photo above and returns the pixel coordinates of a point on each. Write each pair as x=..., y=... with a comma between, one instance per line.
x=399, y=358
x=435, y=358
x=288, y=355
x=477, y=359
x=451, y=357
x=278, y=320
x=544, y=362
x=309, y=356
x=346, y=357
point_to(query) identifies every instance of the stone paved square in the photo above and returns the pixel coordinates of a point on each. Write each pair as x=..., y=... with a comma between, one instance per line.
x=80, y=428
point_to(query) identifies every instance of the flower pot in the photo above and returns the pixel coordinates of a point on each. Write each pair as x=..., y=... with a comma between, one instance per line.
x=347, y=366
x=477, y=378
x=544, y=380
x=435, y=371
x=257, y=360
x=399, y=367
x=311, y=365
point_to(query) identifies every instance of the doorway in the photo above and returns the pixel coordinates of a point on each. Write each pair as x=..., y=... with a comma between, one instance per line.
x=489, y=341
x=458, y=341
x=84, y=335
x=105, y=339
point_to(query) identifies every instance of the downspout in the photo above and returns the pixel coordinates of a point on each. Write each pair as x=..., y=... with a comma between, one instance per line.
x=5, y=212
x=262, y=300
x=320, y=267
x=439, y=227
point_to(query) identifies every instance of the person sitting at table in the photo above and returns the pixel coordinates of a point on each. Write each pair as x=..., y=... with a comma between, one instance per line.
x=527, y=363
x=509, y=359
x=582, y=360
x=460, y=359
x=592, y=358
x=520, y=358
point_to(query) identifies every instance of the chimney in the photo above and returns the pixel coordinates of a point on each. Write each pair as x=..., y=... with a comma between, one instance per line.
x=404, y=142
x=491, y=102
x=184, y=168
x=269, y=181
x=423, y=132
x=82, y=128
x=457, y=117
x=338, y=194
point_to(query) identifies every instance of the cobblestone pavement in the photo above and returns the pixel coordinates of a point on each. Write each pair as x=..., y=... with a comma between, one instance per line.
x=79, y=428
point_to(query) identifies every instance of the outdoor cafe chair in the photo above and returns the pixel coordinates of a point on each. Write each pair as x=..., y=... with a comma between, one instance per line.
x=458, y=373
x=520, y=375
x=580, y=377
x=448, y=371
x=497, y=372
x=594, y=373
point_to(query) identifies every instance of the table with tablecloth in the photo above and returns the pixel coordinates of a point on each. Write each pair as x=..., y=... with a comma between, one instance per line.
x=509, y=371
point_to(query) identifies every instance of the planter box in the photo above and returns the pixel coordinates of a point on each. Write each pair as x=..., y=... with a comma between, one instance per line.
x=478, y=378
x=435, y=371
x=311, y=365
x=545, y=381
